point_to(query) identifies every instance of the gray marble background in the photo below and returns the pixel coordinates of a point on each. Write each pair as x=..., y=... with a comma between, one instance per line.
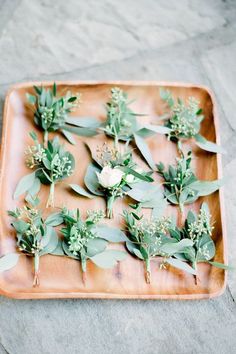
x=185, y=40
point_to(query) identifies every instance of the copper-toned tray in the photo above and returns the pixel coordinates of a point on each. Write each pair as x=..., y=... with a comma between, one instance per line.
x=60, y=277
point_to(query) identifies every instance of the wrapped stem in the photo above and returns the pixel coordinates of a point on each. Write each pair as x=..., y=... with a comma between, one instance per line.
x=110, y=202
x=83, y=268
x=45, y=138
x=36, y=281
x=147, y=271
x=50, y=202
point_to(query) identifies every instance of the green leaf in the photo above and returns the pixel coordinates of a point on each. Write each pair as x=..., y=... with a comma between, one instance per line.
x=20, y=226
x=24, y=185
x=161, y=129
x=144, y=192
x=69, y=137
x=81, y=191
x=177, y=263
x=206, y=187
x=8, y=261
x=79, y=131
x=108, y=259
x=91, y=180
x=128, y=170
x=51, y=245
x=58, y=251
x=144, y=150
x=206, y=249
x=54, y=219
x=111, y=234
x=176, y=247
x=95, y=246
x=220, y=265
x=208, y=145
x=30, y=98
x=83, y=122
x=54, y=89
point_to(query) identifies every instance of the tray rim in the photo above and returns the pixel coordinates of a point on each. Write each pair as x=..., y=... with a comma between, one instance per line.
x=111, y=296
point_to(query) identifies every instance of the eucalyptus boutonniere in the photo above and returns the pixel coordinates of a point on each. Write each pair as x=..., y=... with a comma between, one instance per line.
x=184, y=122
x=181, y=186
x=198, y=229
x=51, y=165
x=51, y=113
x=34, y=237
x=87, y=239
x=122, y=124
x=150, y=238
x=111, y=175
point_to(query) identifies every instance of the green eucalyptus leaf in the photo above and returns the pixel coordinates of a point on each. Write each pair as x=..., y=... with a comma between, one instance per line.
x=208, y=145
x=83, y=122
x=111, y=234
x=20, y=226
x=108, y=258
x=144, y=192
x=206, y=249
x=220, y=265
x=24, y=184
x=8, y=261
x=54, y=219
x=144, y=150
x=68, y=252
x=95, y=246
x=80, y=131
x=176, y=247
x=68, y=136
x=206, y=187
x=30, y=98
x=81, y=191
x=51, y=242
x=161, y=129
x=91, y=180
x=58, y=251
x=177, y=263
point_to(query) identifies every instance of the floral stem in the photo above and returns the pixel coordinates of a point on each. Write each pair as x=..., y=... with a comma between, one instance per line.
x=45, y=138
x=147, y=271
x=110, y=202
x=36, y=281
x=50, y=202
x=83, y=268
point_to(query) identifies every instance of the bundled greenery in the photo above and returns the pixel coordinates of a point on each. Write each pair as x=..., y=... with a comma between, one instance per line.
x=51, y=165
x=184, y=122
x=122, y=124
x=111, y=175
x=198, y=229
x=88, y=239
x=51, y=113
x=150, y=238
x=181, y=186
x=34, y=237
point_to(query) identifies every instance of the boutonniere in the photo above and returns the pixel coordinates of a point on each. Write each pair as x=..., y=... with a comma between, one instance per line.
x=111, y=175
x=150, y=238
x=34, y=237
x=184, y=121
x=122, y=124
x=181, y=186
x=198, y=229
x=87, y=239
x=51, y=113
x=51, y=165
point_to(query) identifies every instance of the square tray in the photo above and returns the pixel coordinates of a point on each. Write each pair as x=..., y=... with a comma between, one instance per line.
x=60, y=277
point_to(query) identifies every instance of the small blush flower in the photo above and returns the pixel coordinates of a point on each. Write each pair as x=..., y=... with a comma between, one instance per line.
x=109, y=177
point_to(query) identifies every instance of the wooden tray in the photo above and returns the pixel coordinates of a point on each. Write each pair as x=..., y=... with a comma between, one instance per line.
x=61, y=277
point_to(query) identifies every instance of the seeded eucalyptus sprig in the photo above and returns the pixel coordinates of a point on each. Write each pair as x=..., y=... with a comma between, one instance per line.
x=150, y=238
x=51, y=165
x=122, y=124
x=198, y=229
x=112, y=175
x=184, y=122
x=88, y=239
x=34, y=237
x=181, y=186
x=51, y=113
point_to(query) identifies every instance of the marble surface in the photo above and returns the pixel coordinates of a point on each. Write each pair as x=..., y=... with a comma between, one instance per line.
x=189, y=40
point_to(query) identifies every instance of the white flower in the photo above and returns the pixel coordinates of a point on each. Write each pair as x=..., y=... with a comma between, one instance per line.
x=109, y=176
